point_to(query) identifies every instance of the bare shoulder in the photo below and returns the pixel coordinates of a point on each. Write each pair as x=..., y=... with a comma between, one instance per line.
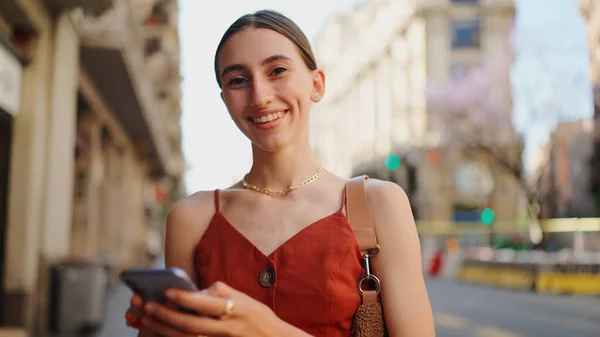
x=382, y=189
x=392, y=214
x=186, y=223
x=192, y=209
x=387, y=198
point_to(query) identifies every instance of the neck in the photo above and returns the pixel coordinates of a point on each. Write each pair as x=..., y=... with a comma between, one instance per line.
x=277, y=171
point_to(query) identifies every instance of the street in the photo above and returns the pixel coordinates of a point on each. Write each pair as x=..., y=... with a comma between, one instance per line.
x=114, y=325
x=463, y=310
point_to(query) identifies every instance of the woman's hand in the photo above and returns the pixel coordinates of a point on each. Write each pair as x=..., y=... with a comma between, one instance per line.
x=135, y=313
x=221, y=311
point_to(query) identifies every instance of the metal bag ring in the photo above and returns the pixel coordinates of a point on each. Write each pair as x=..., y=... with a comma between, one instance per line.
x=373, y=252
x=369, y=277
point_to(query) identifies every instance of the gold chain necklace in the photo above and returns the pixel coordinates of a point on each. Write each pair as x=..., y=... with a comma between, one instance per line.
x=287, y=190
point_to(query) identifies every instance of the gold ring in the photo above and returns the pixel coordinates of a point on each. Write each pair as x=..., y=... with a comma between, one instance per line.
x=228, y=311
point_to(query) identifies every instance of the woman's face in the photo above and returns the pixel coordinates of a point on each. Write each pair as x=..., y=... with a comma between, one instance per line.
x=267, y=87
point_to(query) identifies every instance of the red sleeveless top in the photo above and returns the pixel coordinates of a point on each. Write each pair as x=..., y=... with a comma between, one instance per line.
x=310, y=281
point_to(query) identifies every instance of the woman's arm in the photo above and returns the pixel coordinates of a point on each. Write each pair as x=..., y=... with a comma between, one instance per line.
x=404, y=296
x=185, y=225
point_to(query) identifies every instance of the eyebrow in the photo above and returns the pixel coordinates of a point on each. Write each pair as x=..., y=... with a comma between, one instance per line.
x=268, y=60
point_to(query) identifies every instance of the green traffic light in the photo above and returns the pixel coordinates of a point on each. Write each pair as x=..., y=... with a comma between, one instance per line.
x=392, y=162
x=487, y=216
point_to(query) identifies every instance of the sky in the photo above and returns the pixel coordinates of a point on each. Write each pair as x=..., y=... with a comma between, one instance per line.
x=551, y=68
x=218, y=154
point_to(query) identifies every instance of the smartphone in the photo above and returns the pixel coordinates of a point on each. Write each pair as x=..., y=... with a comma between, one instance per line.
x=151, y=284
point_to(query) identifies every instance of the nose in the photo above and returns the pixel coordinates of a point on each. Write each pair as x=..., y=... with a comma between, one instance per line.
x=262, y=92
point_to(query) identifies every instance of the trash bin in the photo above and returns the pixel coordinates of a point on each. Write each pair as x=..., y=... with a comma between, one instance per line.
x=78, y=295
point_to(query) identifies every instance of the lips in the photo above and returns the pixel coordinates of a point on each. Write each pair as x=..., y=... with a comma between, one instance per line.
x=268, y=116
x=268, y=119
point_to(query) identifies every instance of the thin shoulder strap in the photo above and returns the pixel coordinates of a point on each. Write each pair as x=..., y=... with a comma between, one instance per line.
x=343, y=206
x=217, y=207
x=359, y=214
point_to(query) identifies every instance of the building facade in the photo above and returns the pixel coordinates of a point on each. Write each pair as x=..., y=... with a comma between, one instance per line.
x=90, y=142
x=590, y=11
x=380, y=58
x=566, y=178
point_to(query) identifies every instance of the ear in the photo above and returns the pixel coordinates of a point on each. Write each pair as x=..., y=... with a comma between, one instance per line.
x=318, y=90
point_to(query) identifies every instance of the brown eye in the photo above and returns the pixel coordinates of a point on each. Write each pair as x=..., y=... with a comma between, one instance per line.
x=237, y=81
x=278, y=70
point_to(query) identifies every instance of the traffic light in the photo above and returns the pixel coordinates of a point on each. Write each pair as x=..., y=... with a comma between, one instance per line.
x=487, y=216
x=393, y=162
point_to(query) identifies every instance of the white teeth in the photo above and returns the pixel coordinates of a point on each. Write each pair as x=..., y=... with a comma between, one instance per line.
x=268, y=118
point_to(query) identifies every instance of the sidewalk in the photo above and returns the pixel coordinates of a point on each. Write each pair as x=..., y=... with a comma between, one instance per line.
x=114, y=324
x=117, y=304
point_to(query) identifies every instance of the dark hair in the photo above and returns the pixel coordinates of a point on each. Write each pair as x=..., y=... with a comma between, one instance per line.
x=275, y=21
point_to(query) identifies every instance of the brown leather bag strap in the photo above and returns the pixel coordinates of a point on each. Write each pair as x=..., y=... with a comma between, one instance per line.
x=359, y=214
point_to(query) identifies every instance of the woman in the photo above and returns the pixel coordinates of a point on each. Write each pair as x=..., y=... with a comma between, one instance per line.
x=275, y=252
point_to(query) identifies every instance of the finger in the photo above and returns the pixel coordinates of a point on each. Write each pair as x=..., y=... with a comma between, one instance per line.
x=137, y=301
x=171, y=305
x=161, y=329
x=136, y=306
x=220, y=289
x=165, y=320
x=201, y=303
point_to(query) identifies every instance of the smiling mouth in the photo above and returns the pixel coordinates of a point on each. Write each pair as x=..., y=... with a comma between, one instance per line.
x=267, y=118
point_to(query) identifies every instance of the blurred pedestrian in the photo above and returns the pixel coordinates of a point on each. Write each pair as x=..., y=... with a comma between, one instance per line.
x=436, y=263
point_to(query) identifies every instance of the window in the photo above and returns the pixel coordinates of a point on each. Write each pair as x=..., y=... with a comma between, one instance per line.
x=465, y=213
x=465, y=34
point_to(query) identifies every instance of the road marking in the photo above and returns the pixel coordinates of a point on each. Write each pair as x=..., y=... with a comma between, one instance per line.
x=490, y=331
x=450, y=321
